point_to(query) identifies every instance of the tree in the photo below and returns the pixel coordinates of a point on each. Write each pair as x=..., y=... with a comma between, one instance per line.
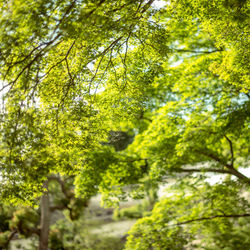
x=206, y=115
x=176, y=76
x=29, y=222
x=208, y=217
x=205, y=129
x=50, y=76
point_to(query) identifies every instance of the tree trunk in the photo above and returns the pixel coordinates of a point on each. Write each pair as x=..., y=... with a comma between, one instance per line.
x=45, y=220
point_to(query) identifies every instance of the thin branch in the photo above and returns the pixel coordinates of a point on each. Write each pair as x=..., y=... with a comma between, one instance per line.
x=34, y=230
x=95, y=74
x=124, y=60
x=57, y=207
x=147, y=6
x=139, y=6
x=22, y=60
x=142, y=117
x=63, y=17
x=52, y=67
x=71, y=83
x=34, y=87
x=211, y=218
x=116, y=9
x=40, y=53
x=247, y=95
x=104, y=72
x=62, y=184
x=13, y=233
x=213, y=156
x=212, y=170
x=102, y=54
x=27, y=66
x=111, y=46
x=115, y=73
x=232, y=170
x=231, y=150
x=133, y=160
x=196, y=51
x=69, y=73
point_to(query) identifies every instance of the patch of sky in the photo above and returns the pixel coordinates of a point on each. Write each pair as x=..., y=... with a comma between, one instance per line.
x=158, y=4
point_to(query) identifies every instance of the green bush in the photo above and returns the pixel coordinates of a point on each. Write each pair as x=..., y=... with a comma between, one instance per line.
x=74, y=235
x=134, y=212
x=4, y=236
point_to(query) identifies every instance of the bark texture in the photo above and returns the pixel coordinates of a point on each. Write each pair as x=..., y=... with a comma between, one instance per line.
x=45, y=220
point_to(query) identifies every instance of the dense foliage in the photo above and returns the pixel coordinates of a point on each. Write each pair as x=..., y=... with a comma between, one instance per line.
x=121, y=94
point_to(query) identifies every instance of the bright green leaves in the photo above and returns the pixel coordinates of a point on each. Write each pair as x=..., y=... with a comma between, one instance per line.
x=70, y=64
x=227, y=24
x=176, y=77
x=25, y=157
x=196, y=123
x=110, y=173
x=181, y=219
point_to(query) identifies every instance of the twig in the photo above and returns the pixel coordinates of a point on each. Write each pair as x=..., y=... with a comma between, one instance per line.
x=211, y=218
x=231, y=150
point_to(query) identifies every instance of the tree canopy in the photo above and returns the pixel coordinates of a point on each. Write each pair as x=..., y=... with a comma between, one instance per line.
x=125, y=93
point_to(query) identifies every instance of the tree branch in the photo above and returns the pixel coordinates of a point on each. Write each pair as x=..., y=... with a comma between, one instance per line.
x=57, y=207
x=213, y=157
x=34, y=230
x=212, y=170
x=62, y=184
x=197, y=52
x=230, y=168
x=146, y=6
x=231, y=150
x=10, y=238
x=27, y=66
x=212, y=217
